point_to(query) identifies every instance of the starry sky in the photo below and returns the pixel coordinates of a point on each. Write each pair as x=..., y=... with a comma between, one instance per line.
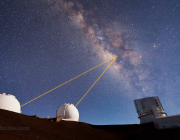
x=44, y=43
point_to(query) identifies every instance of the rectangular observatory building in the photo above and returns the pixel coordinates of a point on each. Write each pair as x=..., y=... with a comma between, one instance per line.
x=150, y=109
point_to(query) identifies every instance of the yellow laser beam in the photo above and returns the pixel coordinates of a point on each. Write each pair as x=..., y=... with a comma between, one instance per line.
x=68, y=81
x=96, y=81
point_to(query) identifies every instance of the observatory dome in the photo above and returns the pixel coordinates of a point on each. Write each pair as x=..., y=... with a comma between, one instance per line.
x=68, y=112
x=9, y=102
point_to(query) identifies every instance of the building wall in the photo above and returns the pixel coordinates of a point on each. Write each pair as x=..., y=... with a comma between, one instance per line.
x=147, y=119
x=167, y=122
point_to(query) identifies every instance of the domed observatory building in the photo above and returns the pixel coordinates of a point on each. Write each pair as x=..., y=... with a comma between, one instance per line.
x=68, y=112
x=9, y=102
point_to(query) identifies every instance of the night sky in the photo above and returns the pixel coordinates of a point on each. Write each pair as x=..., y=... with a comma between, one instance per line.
x=44, y=43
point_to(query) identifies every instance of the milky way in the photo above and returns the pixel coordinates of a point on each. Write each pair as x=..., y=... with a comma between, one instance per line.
x=110, y=40
x=45, y=43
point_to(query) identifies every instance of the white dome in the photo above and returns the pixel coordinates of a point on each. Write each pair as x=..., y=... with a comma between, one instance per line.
x=9, y=102
x=68, y=112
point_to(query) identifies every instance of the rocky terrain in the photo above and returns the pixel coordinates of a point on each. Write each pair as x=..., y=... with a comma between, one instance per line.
x=14, y=126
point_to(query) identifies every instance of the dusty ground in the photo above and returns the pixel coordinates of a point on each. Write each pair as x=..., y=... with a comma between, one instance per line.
x=49, y=130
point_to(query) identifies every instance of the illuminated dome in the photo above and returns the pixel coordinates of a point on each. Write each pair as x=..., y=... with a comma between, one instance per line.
x=9, y=102
x=68, y=112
